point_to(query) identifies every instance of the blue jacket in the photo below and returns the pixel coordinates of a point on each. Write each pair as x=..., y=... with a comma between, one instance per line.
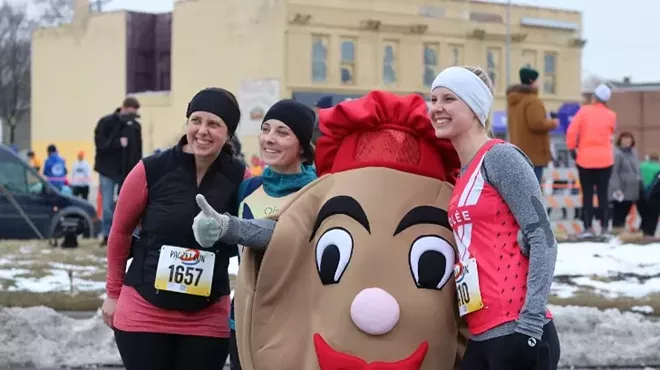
x=55, y=170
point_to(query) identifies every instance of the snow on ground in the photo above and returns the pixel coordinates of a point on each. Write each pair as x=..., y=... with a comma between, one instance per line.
x=43, y=338
x=610, y=269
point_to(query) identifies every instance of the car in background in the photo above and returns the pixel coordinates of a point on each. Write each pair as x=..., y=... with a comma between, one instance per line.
x=25, y=192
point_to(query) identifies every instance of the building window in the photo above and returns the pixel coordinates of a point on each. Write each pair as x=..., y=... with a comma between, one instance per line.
x=347, y=63
x=431, y=52
x=319, y=58
x=493, y=63
x=550, y=73
x=529, y=59
x=389, y=62
x=455, y=55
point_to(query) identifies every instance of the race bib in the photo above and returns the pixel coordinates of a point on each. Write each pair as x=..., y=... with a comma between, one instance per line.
x=183, y=270
x=467, y=287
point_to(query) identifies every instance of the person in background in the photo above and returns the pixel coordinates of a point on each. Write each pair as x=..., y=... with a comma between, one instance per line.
x=498, y=198
x=625, y=182
x=650, y=209
x=81, y=177
x=589, y=139
x=118, y=140
x=527, y=121
x=649, y=170
x=55, y=168
x=256, y=166
x=170, y=310
x=323, y=103
x=33, y=161
x=286, y=148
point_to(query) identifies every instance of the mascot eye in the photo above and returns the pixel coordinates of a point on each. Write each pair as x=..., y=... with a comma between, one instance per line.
x=431, y=261
x=333, y=252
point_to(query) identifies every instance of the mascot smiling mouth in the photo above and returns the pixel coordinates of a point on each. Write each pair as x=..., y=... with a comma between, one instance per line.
x=330, y=359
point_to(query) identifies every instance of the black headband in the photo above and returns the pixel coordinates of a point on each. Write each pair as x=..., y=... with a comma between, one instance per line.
x=219, y=102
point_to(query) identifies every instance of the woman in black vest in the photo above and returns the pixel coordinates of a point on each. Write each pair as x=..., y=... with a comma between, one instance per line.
x=170, y=311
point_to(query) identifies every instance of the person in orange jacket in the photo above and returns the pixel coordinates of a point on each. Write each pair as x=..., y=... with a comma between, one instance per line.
x=589, y=138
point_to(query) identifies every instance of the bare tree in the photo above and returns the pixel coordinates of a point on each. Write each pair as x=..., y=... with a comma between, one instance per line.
x=15, y=33
x=57, y=12
x=54, y=12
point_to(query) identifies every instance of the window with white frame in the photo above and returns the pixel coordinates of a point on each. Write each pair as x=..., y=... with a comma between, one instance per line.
x=320, y=58
x=431, y=51
x=390, y=50
x=493, y=64
x=550, y=73
x=347, y=61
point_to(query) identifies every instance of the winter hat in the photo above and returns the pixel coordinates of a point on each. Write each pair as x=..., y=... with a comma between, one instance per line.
x=603, y=93
x=324, y=102
x=386, y=130
x=218, y=101
x=528, y=75
x=300, y=119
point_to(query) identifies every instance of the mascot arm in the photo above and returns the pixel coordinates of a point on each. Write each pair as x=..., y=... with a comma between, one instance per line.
x=248, y=233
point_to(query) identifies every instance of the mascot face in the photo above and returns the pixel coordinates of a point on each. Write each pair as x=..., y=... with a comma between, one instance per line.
x=358, y=275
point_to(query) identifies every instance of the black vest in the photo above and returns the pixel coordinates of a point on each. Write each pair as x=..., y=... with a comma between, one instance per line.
x=168, y=218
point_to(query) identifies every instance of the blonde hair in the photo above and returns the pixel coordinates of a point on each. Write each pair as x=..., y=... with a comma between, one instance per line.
x=481, y=73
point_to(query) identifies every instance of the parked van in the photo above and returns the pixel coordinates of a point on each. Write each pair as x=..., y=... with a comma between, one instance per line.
x=25, y=192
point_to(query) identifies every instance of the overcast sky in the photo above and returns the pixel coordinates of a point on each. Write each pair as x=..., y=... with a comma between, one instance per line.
x=622, y=35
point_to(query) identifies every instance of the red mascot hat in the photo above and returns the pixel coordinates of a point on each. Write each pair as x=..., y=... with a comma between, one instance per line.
x=383, y=130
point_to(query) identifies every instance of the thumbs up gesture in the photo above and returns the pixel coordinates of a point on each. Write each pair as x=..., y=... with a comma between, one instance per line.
x=209, y=225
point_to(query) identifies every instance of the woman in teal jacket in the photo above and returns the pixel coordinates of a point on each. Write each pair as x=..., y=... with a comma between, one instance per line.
x=286, y=149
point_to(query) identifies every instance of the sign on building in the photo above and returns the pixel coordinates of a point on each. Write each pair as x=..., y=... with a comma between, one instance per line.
x=255, y=97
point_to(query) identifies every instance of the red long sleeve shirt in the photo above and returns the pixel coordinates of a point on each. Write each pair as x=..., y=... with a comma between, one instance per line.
x=134, y=313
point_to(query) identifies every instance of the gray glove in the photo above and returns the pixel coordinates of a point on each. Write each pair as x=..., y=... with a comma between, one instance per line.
x=208, y=226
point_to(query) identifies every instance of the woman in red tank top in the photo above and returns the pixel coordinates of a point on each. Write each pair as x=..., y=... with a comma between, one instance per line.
x=496, y=205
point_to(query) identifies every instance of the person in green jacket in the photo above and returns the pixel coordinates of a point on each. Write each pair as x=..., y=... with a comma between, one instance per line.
x=649, y=169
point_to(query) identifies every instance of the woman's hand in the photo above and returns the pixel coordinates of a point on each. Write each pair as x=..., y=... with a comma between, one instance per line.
x=208, y=226
x=108, y=310
x=521, y=351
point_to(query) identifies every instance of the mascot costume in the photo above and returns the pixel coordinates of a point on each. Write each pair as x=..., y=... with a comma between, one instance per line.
x=358, y=273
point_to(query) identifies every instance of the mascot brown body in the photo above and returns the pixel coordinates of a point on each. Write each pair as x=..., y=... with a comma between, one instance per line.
x=359, y=271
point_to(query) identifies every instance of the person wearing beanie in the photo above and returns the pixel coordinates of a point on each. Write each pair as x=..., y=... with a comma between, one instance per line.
x=175, y=297
x=589, y=139
x=286, y=150
x=527, y=120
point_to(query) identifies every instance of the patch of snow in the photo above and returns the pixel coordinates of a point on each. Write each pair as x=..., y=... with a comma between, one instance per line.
x=590, y=337
x=57, y=280
x=233, y=266
x=563, y=291
x=629, y=287
x=642, y=309
x=610, y=269
x=40, y=337
x=607, y=259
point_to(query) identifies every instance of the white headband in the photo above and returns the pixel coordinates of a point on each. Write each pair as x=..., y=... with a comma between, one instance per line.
x=469, y=87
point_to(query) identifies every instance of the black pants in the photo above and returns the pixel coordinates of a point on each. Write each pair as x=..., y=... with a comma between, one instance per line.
x=80, y=191
x=620, y=212
x=491, y=354
x=649, y=210
x=599, y=178
x=155, y=351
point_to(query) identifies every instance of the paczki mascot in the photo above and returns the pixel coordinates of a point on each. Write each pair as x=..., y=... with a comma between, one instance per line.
x=358, y=272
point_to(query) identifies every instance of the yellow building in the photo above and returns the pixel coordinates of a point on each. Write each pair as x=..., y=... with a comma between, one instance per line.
x=264, y=50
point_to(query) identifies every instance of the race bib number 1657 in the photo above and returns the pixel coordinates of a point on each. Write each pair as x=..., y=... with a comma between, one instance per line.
x=183, y=270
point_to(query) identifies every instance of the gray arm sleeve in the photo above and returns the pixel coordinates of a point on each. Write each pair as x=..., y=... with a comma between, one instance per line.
x=249, y=233
x=511, y=173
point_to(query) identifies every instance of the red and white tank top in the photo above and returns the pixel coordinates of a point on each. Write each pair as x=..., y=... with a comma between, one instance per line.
x=485, y=229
